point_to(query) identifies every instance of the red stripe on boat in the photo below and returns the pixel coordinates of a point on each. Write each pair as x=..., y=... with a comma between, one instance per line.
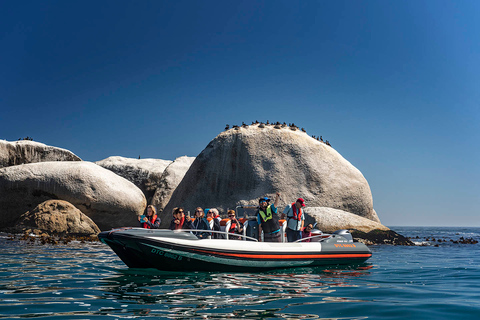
x=291, y=256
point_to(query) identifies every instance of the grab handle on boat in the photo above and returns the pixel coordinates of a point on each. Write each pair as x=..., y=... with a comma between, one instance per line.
x=320, y=235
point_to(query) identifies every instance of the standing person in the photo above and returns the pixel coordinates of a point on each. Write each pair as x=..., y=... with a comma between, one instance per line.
x=295, y=220
x=268, y=220
x=201, y=223
x=151, y=220
x=236, y=227
x=307, y=232
x=216, y=222
x=179, y=220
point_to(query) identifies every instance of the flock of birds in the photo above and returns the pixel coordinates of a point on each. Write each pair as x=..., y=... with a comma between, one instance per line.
x=277, y=125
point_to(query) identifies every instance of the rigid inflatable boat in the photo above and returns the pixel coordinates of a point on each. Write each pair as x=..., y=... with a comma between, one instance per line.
x=180, y=250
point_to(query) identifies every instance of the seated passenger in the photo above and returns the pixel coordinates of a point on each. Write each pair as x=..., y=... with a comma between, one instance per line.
x=150, y=220
x=179, y=220
x=201, y=223
x=236, y=227
x=307, y=232
x=216, y=223
x=216, y=215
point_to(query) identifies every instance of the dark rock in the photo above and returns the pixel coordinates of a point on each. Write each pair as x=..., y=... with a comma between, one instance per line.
x=381, y=237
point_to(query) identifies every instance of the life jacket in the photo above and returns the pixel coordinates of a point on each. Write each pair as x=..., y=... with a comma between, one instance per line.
x=269, y=222
x=233, y=227
x=180, y=225
x=145, y=225
x=295, y=215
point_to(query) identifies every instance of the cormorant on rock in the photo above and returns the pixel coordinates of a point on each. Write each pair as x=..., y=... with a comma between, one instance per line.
x=268, y=123
x=284, y=125
x=303, y=130
x=244, y=125
x=256, y=122
x=318, y=139
x=327, y=143
x=321, y=139
x=261, y=125
x=227, y=127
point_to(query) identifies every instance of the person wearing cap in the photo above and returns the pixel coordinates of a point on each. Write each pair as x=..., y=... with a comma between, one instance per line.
x=295, y=219
x=268, y=220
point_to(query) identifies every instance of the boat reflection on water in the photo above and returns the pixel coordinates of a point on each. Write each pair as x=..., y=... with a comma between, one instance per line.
x=230, y=295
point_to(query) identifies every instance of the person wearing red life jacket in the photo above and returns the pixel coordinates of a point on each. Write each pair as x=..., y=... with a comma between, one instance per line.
x=151, y=220
x=236, y=226
x=295, y=219
x=179, y=220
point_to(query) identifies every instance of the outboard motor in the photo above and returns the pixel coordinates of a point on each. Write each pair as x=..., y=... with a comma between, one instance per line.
x=252, y=228
x=345, y=233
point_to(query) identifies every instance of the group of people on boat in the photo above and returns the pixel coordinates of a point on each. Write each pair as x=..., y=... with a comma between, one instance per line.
x=267, y=218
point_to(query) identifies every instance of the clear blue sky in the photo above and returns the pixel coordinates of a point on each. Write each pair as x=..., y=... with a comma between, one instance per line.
x=393, y=85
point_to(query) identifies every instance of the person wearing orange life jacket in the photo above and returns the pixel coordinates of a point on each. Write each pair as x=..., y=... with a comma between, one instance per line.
x=295, y=219
x=150, y=220
x=236, y=226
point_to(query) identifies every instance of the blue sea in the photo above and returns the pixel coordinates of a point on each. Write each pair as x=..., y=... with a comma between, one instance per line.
x=433, y=280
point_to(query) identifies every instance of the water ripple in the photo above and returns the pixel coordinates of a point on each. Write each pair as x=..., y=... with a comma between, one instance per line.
x=79, y=281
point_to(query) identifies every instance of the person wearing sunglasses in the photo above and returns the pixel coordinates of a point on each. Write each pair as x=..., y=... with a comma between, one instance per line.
x=179, y=220
x=212, y=215
x=201, y=223
x=268, y=220
x=236, y=227
x=307, y=232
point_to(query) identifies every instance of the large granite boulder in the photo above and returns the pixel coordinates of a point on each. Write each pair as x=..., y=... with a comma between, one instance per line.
x=169, y=181
x=244, y=163
x=56, y=217
x=108, y=199
x=329, y=220
x=26, y=151
x=146, y=174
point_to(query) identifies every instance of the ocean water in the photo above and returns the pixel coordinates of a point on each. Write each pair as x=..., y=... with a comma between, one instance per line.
x=88, y=281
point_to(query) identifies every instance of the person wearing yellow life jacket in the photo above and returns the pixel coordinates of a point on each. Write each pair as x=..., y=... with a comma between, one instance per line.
x=150, y=220
x=295, y=219
x=268, y=220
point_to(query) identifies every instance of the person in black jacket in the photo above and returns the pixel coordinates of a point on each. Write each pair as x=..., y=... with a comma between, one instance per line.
x=211, y=215
x=179, y=220
x=201, y=223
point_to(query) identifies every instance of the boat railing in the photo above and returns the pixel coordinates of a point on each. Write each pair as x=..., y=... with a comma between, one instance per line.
x=227, y=234
x=324, y=236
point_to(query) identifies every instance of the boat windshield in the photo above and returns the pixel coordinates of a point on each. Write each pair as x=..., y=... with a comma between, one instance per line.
x=247, y=212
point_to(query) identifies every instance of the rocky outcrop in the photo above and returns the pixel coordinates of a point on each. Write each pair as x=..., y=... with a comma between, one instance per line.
x=329, y=220
x=108, y=199
x=381, y=237
x=56, y=217
x=244, y=163
x=146, y=174
x=169, y=181
x=25, y=151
